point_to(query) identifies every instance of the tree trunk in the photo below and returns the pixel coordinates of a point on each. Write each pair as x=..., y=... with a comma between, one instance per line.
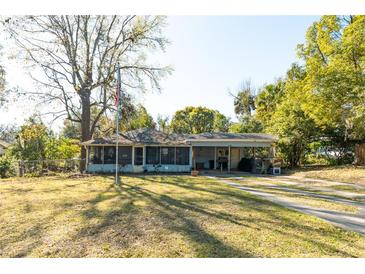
x=85, y=126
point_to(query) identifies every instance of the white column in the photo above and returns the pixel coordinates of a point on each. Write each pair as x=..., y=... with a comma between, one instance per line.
x=229, y=158
x=273, y=151
x=102, y=155
x=144, y=156
x=191, y=157
x=87, y=155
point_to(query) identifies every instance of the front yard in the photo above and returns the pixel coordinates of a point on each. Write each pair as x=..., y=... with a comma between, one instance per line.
x=157, y=216
x=348, y=174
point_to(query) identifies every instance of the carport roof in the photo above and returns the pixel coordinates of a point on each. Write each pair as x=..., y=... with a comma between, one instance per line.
x=232, y=136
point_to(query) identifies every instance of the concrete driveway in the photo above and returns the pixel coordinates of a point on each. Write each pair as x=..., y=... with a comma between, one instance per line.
x=350, y=221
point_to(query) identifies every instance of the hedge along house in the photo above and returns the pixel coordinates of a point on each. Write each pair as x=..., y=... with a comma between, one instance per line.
x=149, y=150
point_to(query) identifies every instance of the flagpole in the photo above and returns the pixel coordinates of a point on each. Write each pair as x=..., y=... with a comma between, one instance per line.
x=117, y=179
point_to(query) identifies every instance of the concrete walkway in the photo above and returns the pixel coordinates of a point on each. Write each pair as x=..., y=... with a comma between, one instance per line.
x=353, y=222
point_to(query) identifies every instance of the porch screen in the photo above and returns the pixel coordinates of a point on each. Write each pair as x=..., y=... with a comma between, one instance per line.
x=109, y=155
x=182, y=155
x=125, y=155
x=138, y=156
x=168, y=155
x=152, y=155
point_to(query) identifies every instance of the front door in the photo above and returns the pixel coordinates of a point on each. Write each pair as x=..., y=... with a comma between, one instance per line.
x=235, y=157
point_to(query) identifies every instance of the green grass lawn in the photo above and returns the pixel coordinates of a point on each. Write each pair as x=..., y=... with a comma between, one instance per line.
x=157, y=216
x=349, y=174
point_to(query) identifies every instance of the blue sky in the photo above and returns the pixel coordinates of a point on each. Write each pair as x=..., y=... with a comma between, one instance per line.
x=214, y=54
x=210, y=56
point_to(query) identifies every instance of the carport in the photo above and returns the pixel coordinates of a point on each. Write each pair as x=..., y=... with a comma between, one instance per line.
x=224, y=151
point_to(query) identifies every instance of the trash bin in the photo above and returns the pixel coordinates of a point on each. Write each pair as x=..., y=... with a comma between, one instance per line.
x=211, y=164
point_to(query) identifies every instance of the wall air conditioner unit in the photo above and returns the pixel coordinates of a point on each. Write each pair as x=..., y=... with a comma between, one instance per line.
x=276, y=171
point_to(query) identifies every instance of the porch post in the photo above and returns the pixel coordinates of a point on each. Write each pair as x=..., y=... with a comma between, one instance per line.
x=87, y=156
x=191, y=157
x=215, y=158
x=133, y=156
x=144, y=156
x=229, y=158
x=273, y=151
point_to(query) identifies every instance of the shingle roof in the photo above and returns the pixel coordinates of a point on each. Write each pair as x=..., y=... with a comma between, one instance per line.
x=152, y=136
x=104, y=141
x=141, y=136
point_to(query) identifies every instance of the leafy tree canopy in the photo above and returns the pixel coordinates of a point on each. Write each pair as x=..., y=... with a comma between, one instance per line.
x=334, y=86
x=198, y=120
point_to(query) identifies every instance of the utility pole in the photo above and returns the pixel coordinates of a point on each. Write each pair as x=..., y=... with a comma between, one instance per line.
x=118, y=99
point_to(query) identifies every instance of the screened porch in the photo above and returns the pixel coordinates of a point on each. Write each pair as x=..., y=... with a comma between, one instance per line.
x=102, y=158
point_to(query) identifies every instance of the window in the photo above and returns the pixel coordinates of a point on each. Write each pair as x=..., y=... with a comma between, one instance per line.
x=152, y=155
x=182, y=155
x=168, y=155
x=138, y=156
x=125, y=155
x=109, y=155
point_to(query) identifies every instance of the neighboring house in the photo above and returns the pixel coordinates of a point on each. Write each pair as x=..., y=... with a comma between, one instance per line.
x=147, y=150
x=3, y=146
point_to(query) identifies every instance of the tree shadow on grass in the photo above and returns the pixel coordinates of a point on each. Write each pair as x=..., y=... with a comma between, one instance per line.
x=124, y=224
x=170, y=215
x=269, y=209
x=182, y=216
x=174, y=217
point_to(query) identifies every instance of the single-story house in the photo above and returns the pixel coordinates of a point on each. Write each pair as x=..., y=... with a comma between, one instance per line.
x=3, y=146
x=149, y=150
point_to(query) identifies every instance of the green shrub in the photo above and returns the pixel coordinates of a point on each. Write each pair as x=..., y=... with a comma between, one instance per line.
x=6, y=166
x=245, y=164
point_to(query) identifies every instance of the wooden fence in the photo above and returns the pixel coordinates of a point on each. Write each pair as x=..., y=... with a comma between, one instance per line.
x=43, y=167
